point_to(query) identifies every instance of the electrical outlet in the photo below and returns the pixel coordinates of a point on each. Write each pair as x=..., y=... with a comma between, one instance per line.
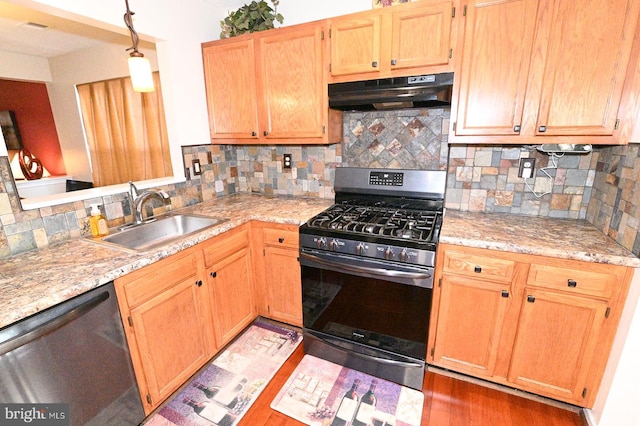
x=526, y=168
x=286, y=161
x=196, y=167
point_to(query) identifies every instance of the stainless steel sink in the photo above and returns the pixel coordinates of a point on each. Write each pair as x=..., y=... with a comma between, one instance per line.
x=159, y=232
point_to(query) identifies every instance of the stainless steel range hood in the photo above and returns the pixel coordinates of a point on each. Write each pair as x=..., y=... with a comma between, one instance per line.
x=423, y=91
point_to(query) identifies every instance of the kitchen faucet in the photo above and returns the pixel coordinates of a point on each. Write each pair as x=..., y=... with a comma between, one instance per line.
x=137, y=200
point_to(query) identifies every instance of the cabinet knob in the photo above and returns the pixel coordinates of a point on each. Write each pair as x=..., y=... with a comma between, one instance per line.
x=199, y=283
x=505, y=293
x=374, y=64
x=477, y=269
x=281, y=240
x=265, y=133
x=254, y=134
x=213, y=274
x=542, y=129
x=571, y=283
x=516, y=128
x=394, y=62
x=531, y=299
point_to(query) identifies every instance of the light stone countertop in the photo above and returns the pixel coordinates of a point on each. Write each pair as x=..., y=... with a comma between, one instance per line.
x=563, y=238
x=33, y=281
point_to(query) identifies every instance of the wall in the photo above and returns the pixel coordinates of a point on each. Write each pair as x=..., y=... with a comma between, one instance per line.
x=30, y=102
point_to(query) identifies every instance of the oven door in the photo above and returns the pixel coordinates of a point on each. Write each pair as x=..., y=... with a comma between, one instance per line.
x=370, y=315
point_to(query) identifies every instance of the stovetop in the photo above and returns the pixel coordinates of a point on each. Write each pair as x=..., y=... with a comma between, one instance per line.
x=393, y=215
x=379, y=220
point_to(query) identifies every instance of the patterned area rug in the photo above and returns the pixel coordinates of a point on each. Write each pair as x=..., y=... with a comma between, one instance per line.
x=316, y=394
x=225, y=390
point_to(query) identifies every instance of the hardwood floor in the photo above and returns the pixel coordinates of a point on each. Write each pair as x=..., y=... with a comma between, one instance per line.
x=448, y=402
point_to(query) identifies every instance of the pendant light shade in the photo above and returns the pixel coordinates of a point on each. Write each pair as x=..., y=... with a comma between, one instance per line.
x=140, y=71
x=139, y=66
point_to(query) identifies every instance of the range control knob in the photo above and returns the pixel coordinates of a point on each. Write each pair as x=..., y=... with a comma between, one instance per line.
x=321, y=243
x=403, y=256
x=388, y=253
x=360, y=249
x=333, y=245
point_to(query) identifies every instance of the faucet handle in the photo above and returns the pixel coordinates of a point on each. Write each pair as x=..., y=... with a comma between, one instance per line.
x=133, y=190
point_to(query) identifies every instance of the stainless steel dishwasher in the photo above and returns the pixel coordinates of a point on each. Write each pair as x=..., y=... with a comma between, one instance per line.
x=74, y=353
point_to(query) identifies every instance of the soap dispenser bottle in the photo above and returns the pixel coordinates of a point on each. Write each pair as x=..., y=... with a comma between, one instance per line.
x=98, y=222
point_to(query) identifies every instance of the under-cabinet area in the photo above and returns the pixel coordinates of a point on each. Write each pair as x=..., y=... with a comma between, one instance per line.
x=536, y=323
x=179, y=312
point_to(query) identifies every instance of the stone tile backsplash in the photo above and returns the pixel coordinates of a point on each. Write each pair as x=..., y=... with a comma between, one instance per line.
x=602, y=186
x=485, y=178
x=615, y=203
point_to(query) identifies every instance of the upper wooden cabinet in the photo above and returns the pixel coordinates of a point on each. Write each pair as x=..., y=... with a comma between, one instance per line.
x=270, y=87
x=535, y=71
x=394, y=41
x=230, y=78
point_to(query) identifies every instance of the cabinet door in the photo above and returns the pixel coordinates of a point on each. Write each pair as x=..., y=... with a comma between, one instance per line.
x=555, y=344
x=230, y=286
x=230, y=80
x=171, y=336
x=355, y=44
x=496, y=54
x=421, y=36
x=292, y=84
x=470, y=319
x=588, y=52
x=283, y=283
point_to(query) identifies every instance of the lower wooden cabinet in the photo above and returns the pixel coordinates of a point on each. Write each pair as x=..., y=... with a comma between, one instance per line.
x=539, y=324
x=278, y=268
x=230, y=281
x=179, y=311
x=167, y=318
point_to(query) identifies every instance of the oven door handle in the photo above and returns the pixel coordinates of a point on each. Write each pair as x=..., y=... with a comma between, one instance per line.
x=366, y=270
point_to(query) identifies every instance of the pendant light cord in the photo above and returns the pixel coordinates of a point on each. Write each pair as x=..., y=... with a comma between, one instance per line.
x=128, y=20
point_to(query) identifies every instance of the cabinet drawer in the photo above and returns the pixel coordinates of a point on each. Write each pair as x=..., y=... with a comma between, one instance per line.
x=225, y=245
x=478, y=266
x=146, y=283
x=590, y=279
x=281, y=237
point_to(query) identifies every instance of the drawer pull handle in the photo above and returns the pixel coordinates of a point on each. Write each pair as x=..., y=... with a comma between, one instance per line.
x=281, y=240
x=477, y=269
x=571, y=283
x=199, y=283
x=531, y=299
x=213, y=274
x=505, y=293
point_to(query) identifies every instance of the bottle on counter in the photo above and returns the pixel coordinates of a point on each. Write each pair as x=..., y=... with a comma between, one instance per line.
x=347, y=409
x=98, y=223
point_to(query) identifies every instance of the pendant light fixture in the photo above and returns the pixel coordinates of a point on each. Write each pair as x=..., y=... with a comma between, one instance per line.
x=139, y=66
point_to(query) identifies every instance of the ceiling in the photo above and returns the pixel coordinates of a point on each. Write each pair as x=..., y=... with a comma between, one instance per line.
x=34, y=33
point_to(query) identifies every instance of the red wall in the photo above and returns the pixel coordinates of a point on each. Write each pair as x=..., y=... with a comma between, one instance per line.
x=30, y=102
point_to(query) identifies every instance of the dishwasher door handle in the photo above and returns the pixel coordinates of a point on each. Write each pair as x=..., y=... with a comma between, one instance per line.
x=16, y=336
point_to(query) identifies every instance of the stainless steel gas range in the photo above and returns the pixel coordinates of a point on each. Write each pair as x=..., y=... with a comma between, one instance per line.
x=367, y=271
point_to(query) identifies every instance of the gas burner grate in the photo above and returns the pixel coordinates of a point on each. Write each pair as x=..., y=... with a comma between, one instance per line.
x=414, y=225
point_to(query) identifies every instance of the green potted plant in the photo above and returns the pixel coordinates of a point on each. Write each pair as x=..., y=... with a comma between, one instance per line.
x=252, y=17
